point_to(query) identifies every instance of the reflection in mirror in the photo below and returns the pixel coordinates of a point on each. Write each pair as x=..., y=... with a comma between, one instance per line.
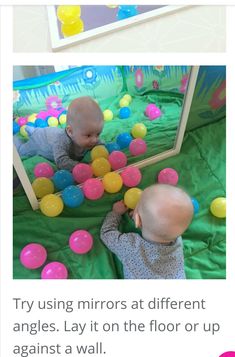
x=59, y=118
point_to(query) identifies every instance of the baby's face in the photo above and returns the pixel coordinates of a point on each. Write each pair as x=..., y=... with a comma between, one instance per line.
x=87, y=135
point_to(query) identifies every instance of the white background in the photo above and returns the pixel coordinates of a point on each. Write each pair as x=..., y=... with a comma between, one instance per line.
x=220, y=295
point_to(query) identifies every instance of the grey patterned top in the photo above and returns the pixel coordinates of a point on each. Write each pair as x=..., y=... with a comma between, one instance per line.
x=143, y=259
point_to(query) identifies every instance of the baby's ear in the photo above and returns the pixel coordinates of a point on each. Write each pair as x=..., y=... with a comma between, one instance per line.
x=69, y=130
x=137, y=219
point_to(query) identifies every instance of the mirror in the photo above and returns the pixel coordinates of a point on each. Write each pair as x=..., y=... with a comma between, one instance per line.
x=150, y=104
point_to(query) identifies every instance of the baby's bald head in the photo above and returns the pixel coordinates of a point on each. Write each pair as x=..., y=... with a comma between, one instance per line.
x=165, y=212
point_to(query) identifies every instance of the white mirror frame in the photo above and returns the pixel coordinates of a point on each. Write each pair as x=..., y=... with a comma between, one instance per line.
x=20, y=170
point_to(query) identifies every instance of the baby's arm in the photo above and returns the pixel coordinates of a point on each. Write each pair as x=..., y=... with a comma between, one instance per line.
x=61, y=156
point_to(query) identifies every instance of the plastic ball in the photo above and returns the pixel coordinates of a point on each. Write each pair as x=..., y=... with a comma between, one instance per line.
x=137, y=147
x=132, y=197
x=52, y=121
x=40, y=123
x=80, y=242
x=43, y=114
x=117, y=160
x=154, y=113
x=195, y=205
x=124, y=103
x=32, y=118
x=54, y=270
x=16, y=128
x=82, y=172
x=149, y=107
x=218, y=207
x=53, y=112
x=68, y=14
x=123, y=140
x=43, y=169
x=23, y=132
x=93, y=189
x=127, y=97
x=168, y=176
x=126, y=11
x=124, y=113
x=131, y=176
x=112, y=147
x=72, y=29
x=22, y=121
x=139, y=130
x=30, y=124
x=51, y=205
x=100, y=166
x=112, y=182
x=108, y=115
x=33, y=256
x=42, y=186
x=99, y=151
x=72, y=196
x=62, y=179
x=62, y=119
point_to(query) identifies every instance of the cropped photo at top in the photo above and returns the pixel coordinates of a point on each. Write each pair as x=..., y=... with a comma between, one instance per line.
x=119, y=172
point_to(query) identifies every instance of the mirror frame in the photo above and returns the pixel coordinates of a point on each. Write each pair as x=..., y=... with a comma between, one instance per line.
x=24, y=179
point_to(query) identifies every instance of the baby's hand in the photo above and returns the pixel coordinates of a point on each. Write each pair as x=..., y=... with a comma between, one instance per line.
x=119, y=207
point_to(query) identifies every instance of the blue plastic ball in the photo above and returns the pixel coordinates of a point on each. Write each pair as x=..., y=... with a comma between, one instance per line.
x=126, y=11
x=124, y=113
x=123, y=140
x=72, y=196
x=40, y=123
x=112, y=147
x=30, y=124
x=63, y=179
x=195, y=205
x=16, y=128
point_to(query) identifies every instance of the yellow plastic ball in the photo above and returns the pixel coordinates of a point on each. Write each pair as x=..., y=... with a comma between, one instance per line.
x=63, y=119
x=132, y=197
x=42, y=186
x=32, y=118
x=68, y=14
x=52, y=121
x=100, y=166
x=127, y=97
x=16, y=120
x=23, y=132
x=72, y=29
x=218, y=207
x=139, y=130
x=124, y=103
x=99, y=151
x=108, y=115
x=112, y=6
x=112, y=182
x=51, y=205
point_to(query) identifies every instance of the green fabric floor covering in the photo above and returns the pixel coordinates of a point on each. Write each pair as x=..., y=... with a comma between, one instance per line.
x=201, y=166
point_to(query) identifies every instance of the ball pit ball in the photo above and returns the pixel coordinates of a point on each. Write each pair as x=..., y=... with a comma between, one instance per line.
x=149, y=107
x=22, y=121
x=42, y=186
x=32, y=118
x=72, y=196
x=128, y=98
x=124, y=113
x=16, y=128
x=80, y=242
x=195, y=205
x=68, y=14
x=51, y=205
x=33, y=256
x=43, y=169
x=112, y=147
x=63, y=119
x=154, y=113
x=123, y=140
x=54, y=270
x=53, y=112
x=30, y=124
x=137, y=147
x=124, y=103
x=72, y=29
x=99, y=151
x=23, y=132
x=93, y=189
x=62, y=179
x=40, y=123
x=218, y=207
x=112, y=182
x=117, y=160
x=132, y=197
x=168, y=176
x=100, y=166
x=139, y=130
x=52, y=121
x=108, y=115
x=82, y=172
x=131, y=176
x=43, y=114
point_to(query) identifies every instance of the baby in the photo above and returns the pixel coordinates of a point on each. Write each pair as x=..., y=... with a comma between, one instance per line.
x=163, y=213
x=66, y=147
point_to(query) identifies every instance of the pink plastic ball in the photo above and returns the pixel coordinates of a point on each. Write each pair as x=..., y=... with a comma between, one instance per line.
x=54, y=112
x=82, y=172
x=149, y=107
x=117, y=160
x=43, y=114
x=22, y=121
x=93, y=189
x=154, y=113
x=137, y=147
x=54, y=270
x=43, y=169
x=131, y=176
x=33, y=255
x=81, y=242
x=168, y=176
